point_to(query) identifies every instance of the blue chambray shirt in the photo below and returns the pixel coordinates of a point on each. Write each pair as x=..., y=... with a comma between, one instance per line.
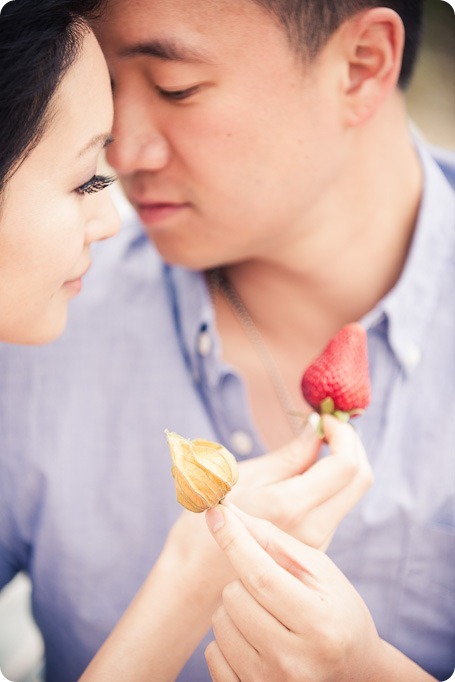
x=86, y=494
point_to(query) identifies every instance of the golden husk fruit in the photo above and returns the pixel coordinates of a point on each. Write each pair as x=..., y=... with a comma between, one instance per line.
x=204, y=472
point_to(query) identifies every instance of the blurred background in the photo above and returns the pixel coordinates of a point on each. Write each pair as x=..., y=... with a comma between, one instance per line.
x=431, y=100
x=431, y=96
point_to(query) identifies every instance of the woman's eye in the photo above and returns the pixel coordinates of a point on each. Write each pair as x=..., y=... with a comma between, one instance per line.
x=96, y=184
x=178, y=95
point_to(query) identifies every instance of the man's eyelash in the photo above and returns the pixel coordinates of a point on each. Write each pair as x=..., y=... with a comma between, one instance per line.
x=178, y=94
x=96, y=184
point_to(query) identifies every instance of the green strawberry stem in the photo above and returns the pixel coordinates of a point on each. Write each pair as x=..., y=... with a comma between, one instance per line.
x=327, y=406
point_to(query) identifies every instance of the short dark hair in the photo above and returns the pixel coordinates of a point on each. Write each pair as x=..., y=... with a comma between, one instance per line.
x=39, y=40
x=310, y=23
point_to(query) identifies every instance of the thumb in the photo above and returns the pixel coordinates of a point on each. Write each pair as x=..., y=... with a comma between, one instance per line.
x=244, y=539
x=278, y=571
x=284, y=549
x=338, y=434
x=343, y=440
x=290, y=460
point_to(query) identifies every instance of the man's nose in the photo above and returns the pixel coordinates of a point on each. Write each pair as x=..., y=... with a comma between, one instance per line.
x=138, y=143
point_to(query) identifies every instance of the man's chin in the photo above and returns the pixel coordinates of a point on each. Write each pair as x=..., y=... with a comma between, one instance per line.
x=186, y=258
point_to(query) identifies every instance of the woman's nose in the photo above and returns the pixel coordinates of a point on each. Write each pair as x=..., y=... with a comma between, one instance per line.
x=105, y=221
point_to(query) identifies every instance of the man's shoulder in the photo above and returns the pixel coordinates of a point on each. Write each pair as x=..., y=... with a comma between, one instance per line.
x=445, y=158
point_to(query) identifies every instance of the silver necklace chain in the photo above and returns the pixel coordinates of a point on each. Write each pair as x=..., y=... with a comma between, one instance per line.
x=218, y=280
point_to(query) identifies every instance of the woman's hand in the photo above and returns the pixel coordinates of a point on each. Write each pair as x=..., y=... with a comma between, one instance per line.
x=306, y=498
x=292, y=615
x=173, y=609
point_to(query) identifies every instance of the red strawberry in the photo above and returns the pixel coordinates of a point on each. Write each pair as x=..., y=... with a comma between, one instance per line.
x=338, y=381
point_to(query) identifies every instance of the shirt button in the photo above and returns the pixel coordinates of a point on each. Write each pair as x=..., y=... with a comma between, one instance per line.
x=204, y=343
x=413, y=356
x=242, y=443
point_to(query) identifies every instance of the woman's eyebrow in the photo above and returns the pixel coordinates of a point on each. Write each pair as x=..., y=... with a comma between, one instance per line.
x=102, y=141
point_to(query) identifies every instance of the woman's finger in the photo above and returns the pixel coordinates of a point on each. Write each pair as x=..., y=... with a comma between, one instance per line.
x=219, y=668
x=281, y=546
x=277, y=583
x=262, y=630
x=239, y=652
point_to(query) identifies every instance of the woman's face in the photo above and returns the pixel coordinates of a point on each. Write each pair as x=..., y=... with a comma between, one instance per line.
x=51, y=210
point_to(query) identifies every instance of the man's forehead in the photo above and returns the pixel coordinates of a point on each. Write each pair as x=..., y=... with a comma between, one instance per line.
x=200, y=31
x=143, y=18
x=144, y=10
x=175, y=30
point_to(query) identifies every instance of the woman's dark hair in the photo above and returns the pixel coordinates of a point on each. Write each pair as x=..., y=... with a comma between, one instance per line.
x=39, y=40
x=310, y=23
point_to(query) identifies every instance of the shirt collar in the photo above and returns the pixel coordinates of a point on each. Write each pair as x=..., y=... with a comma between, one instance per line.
x=195, y=319
x=408, y=306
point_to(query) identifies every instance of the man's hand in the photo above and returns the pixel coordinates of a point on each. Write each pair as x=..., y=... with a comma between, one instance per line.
x=305, y=498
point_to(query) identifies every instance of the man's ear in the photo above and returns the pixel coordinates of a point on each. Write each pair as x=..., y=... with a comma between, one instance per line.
x=372, y=43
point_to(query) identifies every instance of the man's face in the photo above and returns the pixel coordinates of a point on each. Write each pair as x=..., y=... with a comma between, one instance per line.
x=224, y=141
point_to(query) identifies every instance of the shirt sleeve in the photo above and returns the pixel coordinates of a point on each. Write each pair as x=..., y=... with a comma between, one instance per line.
x=13, y=550
x=7, y=567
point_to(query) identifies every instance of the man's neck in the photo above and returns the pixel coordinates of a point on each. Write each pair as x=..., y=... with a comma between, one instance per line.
x=352, y=246
x=333, y=267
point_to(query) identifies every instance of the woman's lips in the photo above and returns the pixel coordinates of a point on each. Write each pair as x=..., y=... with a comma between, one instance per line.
x=74, y=286
x=155, y=213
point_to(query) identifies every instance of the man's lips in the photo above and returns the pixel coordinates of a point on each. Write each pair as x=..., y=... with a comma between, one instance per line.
x=156, y=211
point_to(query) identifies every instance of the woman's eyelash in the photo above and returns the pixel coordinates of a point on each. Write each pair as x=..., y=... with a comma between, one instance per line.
x=96, y=184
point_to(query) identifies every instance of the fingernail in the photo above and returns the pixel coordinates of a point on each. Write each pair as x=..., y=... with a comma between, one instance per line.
x=313, y=421
x=311, y=427
x=316, y=424
x=215, y=519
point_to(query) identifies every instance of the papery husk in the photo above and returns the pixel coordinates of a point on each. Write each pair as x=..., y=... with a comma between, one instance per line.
x=204, y=472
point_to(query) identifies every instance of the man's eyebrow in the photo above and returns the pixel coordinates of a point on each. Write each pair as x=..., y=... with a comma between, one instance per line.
x=166, y=50
x=101, y=141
